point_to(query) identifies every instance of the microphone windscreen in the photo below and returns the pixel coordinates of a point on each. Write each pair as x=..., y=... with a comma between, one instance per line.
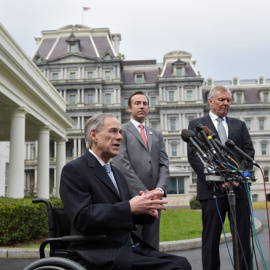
x=230, y=143
x=206, y=130
x=185, y=135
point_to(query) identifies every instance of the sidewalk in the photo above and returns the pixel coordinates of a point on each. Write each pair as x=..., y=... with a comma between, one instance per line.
x=171, y=246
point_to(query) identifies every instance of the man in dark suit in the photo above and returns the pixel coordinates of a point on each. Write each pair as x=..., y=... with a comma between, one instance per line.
x=143, y=160
x=236, y=130
x=97, y=201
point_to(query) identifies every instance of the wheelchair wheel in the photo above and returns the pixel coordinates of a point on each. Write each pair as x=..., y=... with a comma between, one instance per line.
x=54, y=263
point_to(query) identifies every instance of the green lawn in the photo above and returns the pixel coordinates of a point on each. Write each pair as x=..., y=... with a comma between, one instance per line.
x=181, y=224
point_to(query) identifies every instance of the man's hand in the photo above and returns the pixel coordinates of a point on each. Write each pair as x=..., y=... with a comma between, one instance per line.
x=148, y=202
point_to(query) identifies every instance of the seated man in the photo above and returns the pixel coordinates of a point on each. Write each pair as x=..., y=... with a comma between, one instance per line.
x=97, y=202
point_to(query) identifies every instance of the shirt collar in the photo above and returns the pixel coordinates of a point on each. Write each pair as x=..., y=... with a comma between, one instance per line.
x=136, y=123
x=98, y=158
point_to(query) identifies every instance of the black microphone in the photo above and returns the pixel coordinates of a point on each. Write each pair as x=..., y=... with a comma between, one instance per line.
x=232, y=145
x=199, y=128
x=187, y=136
x=210, y=138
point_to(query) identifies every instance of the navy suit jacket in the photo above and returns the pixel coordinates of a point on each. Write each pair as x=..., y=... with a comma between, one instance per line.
x=238, y=133
x=94, y=207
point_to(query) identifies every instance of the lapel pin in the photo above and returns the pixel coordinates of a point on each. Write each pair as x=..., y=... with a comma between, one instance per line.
x=150, y=132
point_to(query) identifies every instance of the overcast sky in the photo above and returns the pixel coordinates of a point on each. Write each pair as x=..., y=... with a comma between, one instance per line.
x=227, y=38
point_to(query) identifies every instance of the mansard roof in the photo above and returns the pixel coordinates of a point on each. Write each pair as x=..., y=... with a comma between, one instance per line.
x=93, y=43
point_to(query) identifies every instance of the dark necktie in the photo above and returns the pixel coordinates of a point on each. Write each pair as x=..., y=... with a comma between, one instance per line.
x=221, y=131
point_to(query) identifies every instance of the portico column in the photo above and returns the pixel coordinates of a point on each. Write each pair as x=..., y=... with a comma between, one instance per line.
x=60, y=162
x=16, y=154
x=43, y=182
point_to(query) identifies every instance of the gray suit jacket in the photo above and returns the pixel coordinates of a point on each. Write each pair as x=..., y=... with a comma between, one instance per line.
x=144, y=168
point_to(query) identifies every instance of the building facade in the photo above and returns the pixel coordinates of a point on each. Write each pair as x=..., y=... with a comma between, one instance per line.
x=86, y=67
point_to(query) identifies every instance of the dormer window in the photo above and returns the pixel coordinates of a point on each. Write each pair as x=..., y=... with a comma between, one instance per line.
x=235, y=81
x=209, y=82
x=73, y=44
x=261, y=80
x=139, y=77
x=264, y=96
x=179, y=68
x=238, y=97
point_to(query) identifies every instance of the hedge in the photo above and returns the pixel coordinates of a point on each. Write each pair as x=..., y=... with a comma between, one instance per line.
x=22, y=221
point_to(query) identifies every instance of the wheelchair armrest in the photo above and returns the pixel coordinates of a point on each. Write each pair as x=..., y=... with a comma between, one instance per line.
x=43, y=200
x=69, y=238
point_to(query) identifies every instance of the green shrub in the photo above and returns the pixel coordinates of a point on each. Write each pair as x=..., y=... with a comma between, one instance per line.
x=22, y=221
x=194, y=203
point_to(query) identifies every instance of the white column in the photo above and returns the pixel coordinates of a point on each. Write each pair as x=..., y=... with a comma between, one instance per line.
x=79, y=96
x=75, y=148
x=17, y=154
x=96, y=95
x=43, y=175
x=60, y=162
x=79, y=147
x=82, y=96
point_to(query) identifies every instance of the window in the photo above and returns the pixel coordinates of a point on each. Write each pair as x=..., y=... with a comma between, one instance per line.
x=55, y=76
x=178, y=71
x=189, y=95
x=238, y=98
x=172, y=124
x=125, y=102
x=171, y=96
x=266, y=175
x=153, y=101
x=139, y=79
x=265, y=97
x=73, y=48
x=72, y=99
x=75, y=122
x=261, y=80
x=107, y=75
x=72, y=75
x=90, y=75
x=235, y=81
x=194, y=177
x=247, y=121
x=209, y=82
x=90, y=99
x=263, y=147
x=108, y=99
x=174, y=149
x=176, y=185
x=154, y=124
x=261, y=124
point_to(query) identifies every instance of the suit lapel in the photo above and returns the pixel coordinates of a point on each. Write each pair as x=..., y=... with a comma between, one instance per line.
x=100, y=173
x=136, y=133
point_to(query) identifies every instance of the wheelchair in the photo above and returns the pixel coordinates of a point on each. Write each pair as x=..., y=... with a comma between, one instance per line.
x=61, y=258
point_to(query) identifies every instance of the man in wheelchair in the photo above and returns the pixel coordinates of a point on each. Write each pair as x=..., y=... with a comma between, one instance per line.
x=97, y=201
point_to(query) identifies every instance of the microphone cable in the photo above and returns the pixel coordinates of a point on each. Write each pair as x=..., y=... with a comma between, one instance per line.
x=257, y=241
x=223, y=229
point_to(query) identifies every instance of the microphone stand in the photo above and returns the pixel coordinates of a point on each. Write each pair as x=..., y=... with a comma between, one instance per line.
x=234, y=232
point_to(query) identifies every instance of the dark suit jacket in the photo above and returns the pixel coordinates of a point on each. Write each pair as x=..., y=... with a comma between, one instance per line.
x=143, y=168
x=238, y=133
x=94, y=207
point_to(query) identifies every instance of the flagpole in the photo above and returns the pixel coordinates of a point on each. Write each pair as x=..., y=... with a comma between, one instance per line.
x=82, y=15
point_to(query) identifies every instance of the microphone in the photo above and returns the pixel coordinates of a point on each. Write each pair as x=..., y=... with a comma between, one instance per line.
x=187, y=136
x=209, y=136
x=226, y=153
x=199, y=128
x=232, y=145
